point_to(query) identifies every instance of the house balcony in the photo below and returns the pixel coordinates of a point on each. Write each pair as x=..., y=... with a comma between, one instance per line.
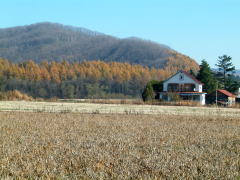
x=172, y=87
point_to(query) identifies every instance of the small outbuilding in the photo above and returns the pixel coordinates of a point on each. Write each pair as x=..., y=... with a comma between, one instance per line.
x=223, y=97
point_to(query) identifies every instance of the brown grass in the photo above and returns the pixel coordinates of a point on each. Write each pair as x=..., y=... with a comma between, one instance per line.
x=100, y=146
x=136, y=102
x=103, y=101
x=130, y=101
x=175, y=103
x=15, y=95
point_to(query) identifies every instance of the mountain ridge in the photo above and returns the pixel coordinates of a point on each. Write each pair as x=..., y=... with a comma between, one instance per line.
x=54, y=41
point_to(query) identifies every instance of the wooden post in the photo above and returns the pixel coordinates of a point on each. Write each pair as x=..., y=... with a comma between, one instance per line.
x=216, y=93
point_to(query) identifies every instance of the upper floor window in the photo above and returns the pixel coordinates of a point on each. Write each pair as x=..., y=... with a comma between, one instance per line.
x=181, y=77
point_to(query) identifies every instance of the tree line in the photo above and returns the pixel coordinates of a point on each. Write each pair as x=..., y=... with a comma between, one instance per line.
x=90, y=79
x=98, y=79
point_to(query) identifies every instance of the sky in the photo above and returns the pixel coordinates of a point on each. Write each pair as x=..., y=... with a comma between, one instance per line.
x=201, y=29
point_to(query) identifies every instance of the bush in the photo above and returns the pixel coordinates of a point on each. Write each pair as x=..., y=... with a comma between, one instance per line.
x=148, y=93
x=151, y=90
x=15, y=95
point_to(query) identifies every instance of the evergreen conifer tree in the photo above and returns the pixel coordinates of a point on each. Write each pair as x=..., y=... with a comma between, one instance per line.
x=206, y=76
x=225, y=70
x=148, y=93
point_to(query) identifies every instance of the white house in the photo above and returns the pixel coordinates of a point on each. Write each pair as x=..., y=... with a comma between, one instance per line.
x=184, y=85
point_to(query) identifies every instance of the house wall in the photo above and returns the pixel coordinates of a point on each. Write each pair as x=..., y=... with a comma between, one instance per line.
x=202, y=99
x=238, y=93
x=199, y=98
x=186, y=80
x=231, y=100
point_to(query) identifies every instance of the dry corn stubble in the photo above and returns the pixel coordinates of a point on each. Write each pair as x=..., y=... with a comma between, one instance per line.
x=95, y=146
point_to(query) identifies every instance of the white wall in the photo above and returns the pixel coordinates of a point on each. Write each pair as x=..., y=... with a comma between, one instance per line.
x=185, y=80
x=202, y=99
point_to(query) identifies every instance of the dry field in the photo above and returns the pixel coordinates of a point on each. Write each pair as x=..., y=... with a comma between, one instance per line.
x=118, y=146
x=66, y=107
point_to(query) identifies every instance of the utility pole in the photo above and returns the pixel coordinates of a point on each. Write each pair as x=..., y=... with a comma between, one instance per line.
x=216, y=93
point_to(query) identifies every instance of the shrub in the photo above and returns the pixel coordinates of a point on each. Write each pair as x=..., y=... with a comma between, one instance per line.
x=15, y=95
x=148, y=93
x=151, y=90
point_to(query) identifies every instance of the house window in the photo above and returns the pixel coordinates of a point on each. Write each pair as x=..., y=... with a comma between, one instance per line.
x=181, y=77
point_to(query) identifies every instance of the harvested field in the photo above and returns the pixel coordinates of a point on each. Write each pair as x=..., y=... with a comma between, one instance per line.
x=118, y=146
x=23, y=106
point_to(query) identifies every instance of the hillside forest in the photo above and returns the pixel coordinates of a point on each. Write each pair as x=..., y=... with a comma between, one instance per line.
x=56, y=42
x=89, y=79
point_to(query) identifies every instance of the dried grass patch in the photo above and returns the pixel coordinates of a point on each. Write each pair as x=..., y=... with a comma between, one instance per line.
x=95, y=146
x=15, y=95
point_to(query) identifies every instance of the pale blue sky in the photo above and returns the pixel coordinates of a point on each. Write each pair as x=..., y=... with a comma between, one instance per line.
x=201, y=29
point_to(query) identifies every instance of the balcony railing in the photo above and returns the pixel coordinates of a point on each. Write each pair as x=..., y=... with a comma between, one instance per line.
x=181, y=87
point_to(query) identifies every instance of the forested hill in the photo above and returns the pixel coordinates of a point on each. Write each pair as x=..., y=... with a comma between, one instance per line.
x=48, y=41
x=90, y=79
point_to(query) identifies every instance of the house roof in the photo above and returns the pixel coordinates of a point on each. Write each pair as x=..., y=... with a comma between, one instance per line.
x=227, y=93
x=192, y=77
x=187, y=74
